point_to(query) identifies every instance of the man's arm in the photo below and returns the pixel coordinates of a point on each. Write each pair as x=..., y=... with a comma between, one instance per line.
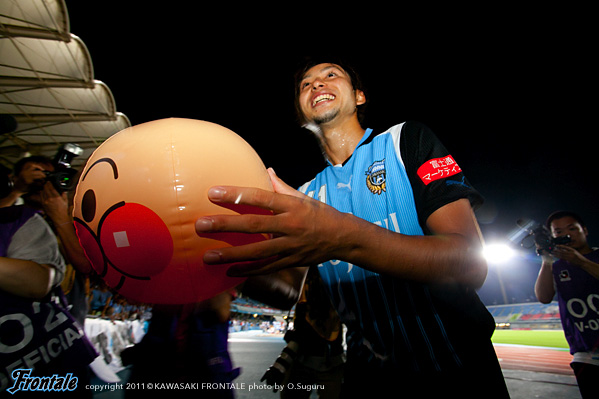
x=33, y=264
x=25, y=278
x=544, y=286
x=10, y=199
x=56, y=207
x=306, y=231
x=574, y=257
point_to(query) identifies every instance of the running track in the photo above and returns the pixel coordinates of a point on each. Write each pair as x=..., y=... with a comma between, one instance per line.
x=531, y=358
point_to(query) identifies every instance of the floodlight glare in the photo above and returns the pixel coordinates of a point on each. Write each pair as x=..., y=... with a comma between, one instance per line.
x=498, y=253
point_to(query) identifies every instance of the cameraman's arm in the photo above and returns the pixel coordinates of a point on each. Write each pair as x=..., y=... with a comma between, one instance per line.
x=574, y=257
x=12, y=197
x=544, y=286
x=33, y=264
x=590, y=267
x=9, y=200
x=56, y=208
x=25, y=278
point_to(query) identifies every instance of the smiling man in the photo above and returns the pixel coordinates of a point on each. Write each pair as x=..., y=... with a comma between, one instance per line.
x=572, y=271
x=390, y=226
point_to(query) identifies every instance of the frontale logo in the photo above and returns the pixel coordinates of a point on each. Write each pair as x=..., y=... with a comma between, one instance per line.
x=24, y=381
x=376, y=180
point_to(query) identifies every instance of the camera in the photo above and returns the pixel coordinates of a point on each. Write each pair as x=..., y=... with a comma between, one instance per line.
x=63, y=177
x=542, y=237
x=545, y=241
x=276, y=374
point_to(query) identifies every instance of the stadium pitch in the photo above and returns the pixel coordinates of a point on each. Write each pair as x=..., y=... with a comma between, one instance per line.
x=542, y=338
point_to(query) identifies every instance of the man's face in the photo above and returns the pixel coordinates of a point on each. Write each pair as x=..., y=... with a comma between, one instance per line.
x=32, y=177
x=326, y=93
x=569, y=226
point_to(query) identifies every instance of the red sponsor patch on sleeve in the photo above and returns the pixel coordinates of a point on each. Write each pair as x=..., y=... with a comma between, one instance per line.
x=438, y=168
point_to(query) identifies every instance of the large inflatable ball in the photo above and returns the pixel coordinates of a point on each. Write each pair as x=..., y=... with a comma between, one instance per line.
x=139, y=196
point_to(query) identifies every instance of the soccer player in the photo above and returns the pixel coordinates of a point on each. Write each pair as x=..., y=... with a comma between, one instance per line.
x=390, y=226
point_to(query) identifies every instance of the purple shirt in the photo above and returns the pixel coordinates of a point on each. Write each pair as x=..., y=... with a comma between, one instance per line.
x=578, y=298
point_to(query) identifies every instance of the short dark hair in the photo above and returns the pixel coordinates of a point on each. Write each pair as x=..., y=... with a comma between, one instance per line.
x=308, y=62
x=33, y=159
x=563, y=214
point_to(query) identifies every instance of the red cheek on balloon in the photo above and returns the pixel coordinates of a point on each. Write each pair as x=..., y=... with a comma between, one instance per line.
x=136, y=241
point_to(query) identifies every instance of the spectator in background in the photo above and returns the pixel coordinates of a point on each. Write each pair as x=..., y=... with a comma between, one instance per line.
x=119, y=310
x=572, y=271
x=99, y=299
x=185, y=344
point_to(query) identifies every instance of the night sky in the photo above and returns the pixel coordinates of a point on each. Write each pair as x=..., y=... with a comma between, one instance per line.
x=507, y=98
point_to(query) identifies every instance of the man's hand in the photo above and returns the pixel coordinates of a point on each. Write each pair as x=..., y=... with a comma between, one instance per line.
x=56, y=207
x=31, y=178
x=568, y=254
x=304, y=230
x=54, y=204
x=308, y=232
x=574, y=257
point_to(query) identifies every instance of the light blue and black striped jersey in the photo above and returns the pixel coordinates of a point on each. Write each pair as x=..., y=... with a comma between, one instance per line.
x=396, y=179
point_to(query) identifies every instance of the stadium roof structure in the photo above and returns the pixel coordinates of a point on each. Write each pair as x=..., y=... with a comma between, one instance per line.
x=48, y=93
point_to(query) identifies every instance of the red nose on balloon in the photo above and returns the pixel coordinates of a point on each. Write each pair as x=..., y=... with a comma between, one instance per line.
x=139, y=196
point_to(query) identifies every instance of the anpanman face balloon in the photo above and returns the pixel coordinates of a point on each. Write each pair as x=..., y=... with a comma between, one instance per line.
x=139, y=196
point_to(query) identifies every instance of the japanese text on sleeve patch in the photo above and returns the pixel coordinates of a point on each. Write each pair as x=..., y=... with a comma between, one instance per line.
x=438, y=168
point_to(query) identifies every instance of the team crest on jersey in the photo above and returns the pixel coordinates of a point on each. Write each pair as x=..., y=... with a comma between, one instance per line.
x=564, y=275
x=376, y=180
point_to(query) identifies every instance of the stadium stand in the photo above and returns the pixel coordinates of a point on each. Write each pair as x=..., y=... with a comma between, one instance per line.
x=532, y=315
x=248, y=314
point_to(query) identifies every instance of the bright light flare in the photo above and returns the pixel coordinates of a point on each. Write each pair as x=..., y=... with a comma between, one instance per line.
x=498, y=253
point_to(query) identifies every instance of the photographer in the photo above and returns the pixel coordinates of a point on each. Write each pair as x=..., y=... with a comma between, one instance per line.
x=314, y=356
x=28, y=278
x=29, y=178
x=33, y=186
x=572, y=271
x=31, y=270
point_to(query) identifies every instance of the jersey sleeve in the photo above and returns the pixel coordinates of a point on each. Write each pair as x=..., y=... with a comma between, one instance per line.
x=434, y=174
